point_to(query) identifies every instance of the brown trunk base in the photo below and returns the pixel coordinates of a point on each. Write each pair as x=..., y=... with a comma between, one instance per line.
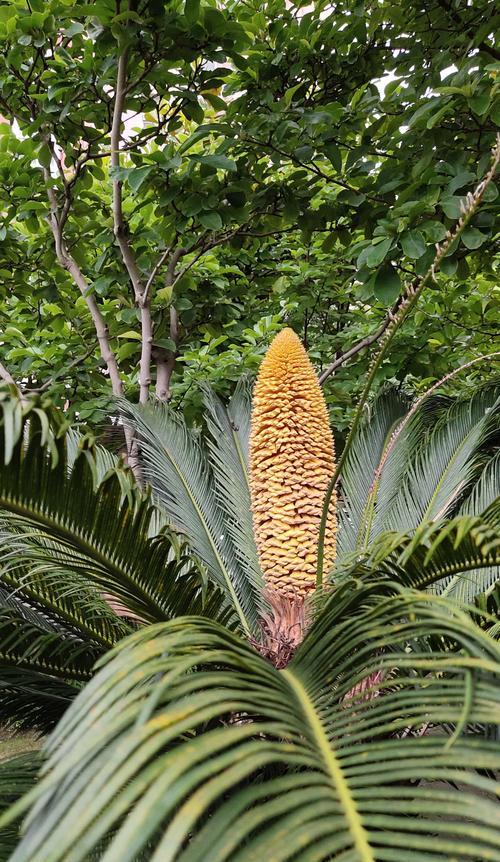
x=282, y=629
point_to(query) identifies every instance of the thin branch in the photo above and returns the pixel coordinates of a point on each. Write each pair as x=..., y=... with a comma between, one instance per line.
x=154, y=272
x=170, y=280
x=313, y=168
x=78, y=361
x=206, y=245
x=355, y=349
x=189, y=265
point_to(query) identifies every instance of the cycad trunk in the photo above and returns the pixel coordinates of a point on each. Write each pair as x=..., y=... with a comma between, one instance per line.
x=291, y=462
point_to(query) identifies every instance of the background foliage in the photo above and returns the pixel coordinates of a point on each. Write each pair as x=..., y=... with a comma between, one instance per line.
x=277, y=162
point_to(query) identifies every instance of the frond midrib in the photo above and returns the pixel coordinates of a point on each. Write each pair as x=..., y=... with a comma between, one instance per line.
x=333, y=767
x=454, y=569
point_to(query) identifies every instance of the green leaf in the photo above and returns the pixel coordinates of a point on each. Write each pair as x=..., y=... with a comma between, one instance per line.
x=44, y=156
x=137, y=176
x=304, y=153
x=377, y=252
x=221, y=163
x=435, y=231
x=193, y=111
x=192, y=11
x=183, y=303
x=166, y=343
x=480, y=103
x=387, y=285
x=473, y=238
x=74, y=29
x=334, y=154
x=448, y=265
x=127, y=350
x=451, y=206
x=215, y=101
x=491, y=193
x=212, y=221
x=413, y=244
x=136, y=336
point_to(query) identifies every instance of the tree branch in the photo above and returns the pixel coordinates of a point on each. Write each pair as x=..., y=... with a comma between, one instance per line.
x=141, y=292
x=70, y=265
x=78, y=361
x=7, y=376
x=356, y=348
x=165, y=359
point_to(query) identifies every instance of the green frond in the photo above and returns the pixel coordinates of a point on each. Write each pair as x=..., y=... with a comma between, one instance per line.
x=486, y=490
x=446, y=462
x=191, y=744
x=361, y=466
x=17, y=775
x=483, y=498
x=33, y=573
x=61, y=517
x=28, y=640
x=229, y=429
x=436, y=554
x=103, y=461
x=175, y=463
x=44, y=661
x=425, y=473
x=28, y=418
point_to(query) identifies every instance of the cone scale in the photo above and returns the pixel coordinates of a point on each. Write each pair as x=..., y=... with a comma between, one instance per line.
x=291, y=462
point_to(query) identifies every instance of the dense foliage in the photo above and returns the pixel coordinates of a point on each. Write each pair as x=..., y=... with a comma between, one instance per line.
x=276, y=162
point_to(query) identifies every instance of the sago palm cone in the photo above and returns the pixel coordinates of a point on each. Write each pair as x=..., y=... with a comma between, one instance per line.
x=291, y=463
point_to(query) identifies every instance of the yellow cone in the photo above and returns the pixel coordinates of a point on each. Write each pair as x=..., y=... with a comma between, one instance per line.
x=291, y=462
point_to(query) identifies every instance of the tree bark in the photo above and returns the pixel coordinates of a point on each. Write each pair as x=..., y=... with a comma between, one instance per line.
x=7, y=376
x=165, y=359
x=70, y=265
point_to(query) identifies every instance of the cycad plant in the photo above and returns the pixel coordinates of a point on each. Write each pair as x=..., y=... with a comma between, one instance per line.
x=240, y=710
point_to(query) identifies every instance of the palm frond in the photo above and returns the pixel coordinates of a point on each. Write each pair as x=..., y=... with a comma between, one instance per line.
x=436, y=554
x=427, y=470
x=175, y=464
x=33, y=573
x=91, y=529
x=18, y=774
x=446, y=462
x=486, y=490
x=190, y=743
x=29, y=639
x=228, y=453
x=485, y=498
x=360, y=468
x=103, y=461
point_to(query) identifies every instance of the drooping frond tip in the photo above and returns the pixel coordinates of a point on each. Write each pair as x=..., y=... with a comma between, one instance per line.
x=291, y=462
